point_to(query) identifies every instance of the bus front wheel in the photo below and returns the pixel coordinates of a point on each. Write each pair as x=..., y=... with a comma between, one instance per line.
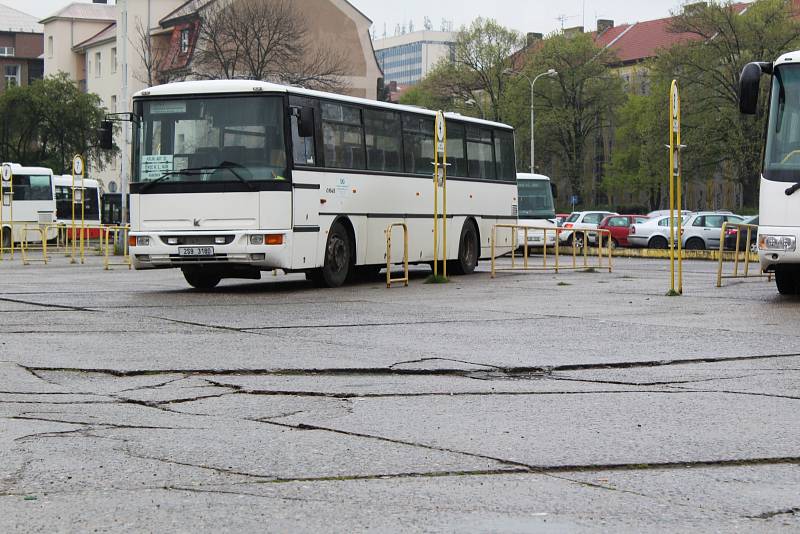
x=787, y=281
x=468, y=250
x=338, y=254
x=200, y=278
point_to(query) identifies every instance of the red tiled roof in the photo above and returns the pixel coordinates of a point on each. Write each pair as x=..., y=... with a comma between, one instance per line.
x=643, y=40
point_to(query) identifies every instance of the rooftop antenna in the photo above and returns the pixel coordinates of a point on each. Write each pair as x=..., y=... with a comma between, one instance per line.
x=563, y=19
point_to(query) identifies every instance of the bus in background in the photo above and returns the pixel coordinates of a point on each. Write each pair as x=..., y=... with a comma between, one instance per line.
x=535, y=208
x=779, y=209
x=111, y=209
x=91, y=208
x=234, y=177
x=33, y=204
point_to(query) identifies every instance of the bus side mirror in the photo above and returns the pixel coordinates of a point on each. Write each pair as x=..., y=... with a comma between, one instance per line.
x=305, y=126
x=106, y=133
x=749, y=85
x=554, y=189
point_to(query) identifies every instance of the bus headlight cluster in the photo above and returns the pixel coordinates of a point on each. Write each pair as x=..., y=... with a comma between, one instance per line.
x=257, y=239
x=142, y=241
x=786, y=243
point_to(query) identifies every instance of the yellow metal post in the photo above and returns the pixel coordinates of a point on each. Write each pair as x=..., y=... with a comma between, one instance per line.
x=675, y=192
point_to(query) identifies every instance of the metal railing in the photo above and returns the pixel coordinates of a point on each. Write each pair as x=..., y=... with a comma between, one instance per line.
x=604, y=243
x=25, y=247
x=745, y=256
x=108, y=244
x=388, y=232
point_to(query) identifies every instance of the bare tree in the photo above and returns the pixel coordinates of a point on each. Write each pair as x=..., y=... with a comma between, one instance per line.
x=153, y=55
x=265, y=40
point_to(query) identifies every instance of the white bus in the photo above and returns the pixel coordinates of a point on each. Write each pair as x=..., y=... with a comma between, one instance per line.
x=91, y=207
x=535, y=208
x=33, y=203
x=231, y=178
x=779, y=210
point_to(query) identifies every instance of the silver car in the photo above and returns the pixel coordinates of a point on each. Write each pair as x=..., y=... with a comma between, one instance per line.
x=653, y=233
x=701, y=231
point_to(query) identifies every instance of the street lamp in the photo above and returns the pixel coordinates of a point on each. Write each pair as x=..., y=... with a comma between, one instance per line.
x=551, y=73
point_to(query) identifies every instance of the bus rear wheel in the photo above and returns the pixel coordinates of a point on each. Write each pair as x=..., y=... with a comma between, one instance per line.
x=787, y=281
x=338, y=256
x=468, y=250
x=200, y=278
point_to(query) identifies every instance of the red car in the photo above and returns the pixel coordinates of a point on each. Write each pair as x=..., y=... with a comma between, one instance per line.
x=619, y=226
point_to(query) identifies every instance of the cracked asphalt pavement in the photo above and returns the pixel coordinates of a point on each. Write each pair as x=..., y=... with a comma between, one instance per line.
x=532, y=402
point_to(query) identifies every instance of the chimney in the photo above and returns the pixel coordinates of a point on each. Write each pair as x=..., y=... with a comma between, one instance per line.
x=532, y=37
x=603, y=25
x=572, y=32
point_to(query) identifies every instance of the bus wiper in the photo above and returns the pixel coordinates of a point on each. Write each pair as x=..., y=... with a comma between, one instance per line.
x=228, y=166
x=163, y=177
x=792, y=190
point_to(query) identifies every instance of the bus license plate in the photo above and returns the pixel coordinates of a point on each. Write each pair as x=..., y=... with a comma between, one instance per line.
x=195, y=251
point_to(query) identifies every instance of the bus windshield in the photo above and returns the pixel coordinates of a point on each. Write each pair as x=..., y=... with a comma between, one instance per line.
x=210, y=140
x=535, y=199
x=91, y=207
x=782, y=156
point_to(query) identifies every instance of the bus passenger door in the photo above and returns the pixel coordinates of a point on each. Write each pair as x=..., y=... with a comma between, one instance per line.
x=305, y=183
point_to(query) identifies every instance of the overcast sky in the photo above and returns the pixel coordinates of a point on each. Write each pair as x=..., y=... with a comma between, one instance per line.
x=523, y=15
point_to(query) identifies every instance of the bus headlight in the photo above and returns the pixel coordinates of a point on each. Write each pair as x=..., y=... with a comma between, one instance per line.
x=257, y=239
x=786, y=243
x=142, y=241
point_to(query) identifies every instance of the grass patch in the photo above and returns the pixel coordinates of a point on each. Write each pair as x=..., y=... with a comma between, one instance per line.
x=563, y=284
x=436, y=279
x=672, y=293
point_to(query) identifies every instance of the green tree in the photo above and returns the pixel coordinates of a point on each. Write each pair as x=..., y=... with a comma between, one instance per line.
x=48, y=122
x=573, y=109
x=474, y=82
x=718, y=137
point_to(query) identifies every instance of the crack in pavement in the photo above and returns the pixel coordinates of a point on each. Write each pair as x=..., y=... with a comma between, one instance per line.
x=44, y=305
x=379, y=371
x=775, y=513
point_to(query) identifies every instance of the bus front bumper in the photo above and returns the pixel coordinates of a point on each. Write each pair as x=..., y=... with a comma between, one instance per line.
x=261, y=249
x=778, y=246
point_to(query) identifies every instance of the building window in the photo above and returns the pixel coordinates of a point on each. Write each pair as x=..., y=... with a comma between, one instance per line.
x=98, y=64
x=50, y=46
x=184, y=41
x=12, y=74
x=113, y=103
x=7, y=51
x=114, y=60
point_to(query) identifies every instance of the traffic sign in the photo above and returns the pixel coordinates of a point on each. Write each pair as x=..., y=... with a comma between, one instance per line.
x=77, y=166
x=6, y=174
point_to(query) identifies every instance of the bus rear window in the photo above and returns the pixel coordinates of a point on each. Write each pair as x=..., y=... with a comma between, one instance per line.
x=32, y=187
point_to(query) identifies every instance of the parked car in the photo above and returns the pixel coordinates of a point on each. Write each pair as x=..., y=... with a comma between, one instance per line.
x=653, y=233
x=731, y=233
x=665, y=213
x=582, y=220
x=560, y=218
x=701, y=231
x=619, y=226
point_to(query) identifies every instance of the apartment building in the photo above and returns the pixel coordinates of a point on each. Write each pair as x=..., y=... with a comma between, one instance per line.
x=21, y=47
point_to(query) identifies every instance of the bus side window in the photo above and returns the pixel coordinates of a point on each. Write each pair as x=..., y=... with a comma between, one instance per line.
x=303, y=145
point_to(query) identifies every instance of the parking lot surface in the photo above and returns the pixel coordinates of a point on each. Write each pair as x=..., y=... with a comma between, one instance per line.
x=583, y=401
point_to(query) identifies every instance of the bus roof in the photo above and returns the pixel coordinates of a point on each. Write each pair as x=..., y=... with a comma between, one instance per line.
x=529, y=176
x=16, y=168
x=252, y=86
x=66, y=179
